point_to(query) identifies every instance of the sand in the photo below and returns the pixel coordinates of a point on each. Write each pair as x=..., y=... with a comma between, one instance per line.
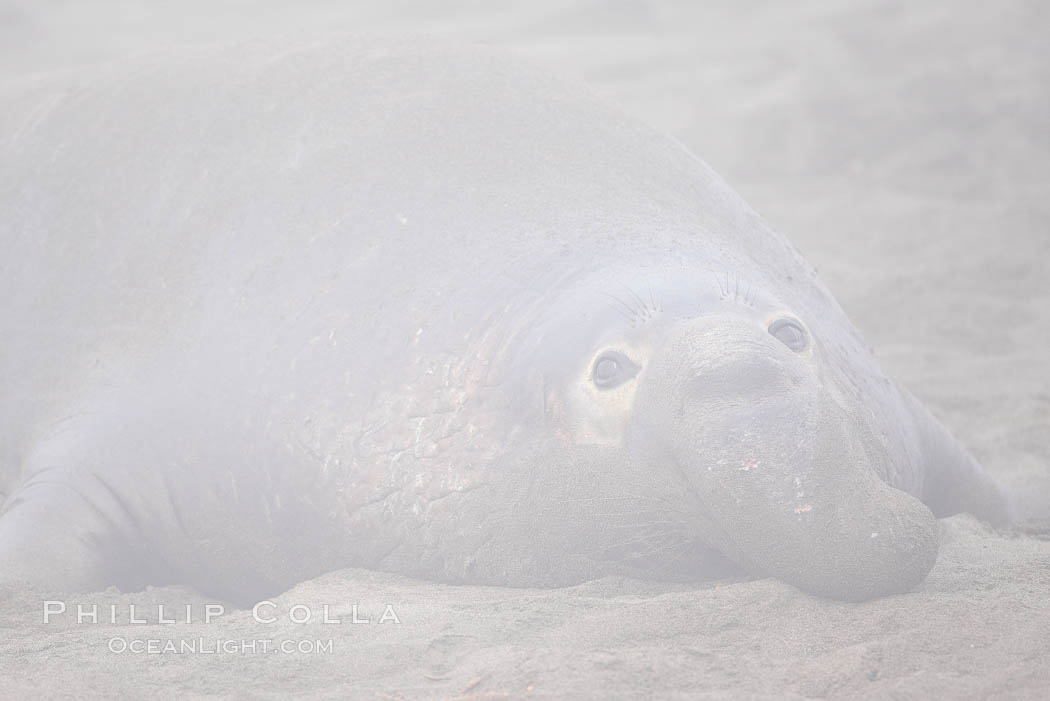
x=904, y=148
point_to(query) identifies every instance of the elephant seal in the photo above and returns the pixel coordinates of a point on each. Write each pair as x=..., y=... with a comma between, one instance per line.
x=276, y=309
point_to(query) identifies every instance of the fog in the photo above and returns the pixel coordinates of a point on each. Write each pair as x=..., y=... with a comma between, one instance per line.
x=593, y=351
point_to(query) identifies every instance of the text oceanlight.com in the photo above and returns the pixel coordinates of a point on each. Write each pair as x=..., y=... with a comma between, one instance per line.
x=217, y=646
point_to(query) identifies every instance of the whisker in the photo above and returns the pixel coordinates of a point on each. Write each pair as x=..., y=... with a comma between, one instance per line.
x=624, y=308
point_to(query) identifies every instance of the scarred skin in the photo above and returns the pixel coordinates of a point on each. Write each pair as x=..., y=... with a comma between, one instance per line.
x=280, y=308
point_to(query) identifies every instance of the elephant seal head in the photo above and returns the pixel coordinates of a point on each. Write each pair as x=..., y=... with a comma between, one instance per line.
x=720, y=430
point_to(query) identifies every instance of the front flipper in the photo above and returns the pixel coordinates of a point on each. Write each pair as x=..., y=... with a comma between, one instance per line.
x=176, y=491
x=63, y=533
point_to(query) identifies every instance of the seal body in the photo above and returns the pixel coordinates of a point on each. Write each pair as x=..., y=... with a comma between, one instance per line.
x=276, y=309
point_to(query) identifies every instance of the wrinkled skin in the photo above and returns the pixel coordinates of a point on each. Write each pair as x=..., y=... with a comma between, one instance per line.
x=278, y=309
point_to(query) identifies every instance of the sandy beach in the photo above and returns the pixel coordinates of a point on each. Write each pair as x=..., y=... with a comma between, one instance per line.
x=903, y=148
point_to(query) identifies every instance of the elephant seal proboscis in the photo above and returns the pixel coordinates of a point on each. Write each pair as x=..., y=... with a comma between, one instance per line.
x=275, y=309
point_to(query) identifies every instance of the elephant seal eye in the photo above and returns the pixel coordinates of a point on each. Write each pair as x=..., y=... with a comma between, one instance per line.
x=790, y=333
x=612, y=369
x=606, y=370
